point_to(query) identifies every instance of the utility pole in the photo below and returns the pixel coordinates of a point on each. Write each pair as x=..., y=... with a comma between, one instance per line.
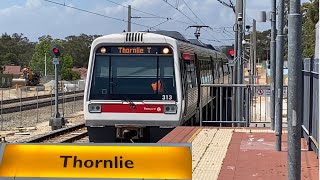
x=273, y=58
x=279, y=75
x=45, y=64
x=129, y=18
x=254, y=43
x=234, y=66
x=239, y=56
x=251, y=64
x=294, y=90
x=244, y=17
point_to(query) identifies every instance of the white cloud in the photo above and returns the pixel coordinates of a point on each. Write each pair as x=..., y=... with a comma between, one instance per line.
x=32, y=4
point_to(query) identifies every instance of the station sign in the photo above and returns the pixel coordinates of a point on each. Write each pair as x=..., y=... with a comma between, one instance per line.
x=266, y=91
x=138, y=161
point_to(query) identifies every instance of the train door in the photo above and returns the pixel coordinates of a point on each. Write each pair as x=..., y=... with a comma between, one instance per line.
x=190, y=83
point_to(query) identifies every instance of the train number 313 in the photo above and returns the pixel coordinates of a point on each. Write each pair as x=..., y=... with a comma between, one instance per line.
x=166, y=97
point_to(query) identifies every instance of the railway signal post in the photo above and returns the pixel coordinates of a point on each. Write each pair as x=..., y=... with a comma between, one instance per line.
x=56, y=122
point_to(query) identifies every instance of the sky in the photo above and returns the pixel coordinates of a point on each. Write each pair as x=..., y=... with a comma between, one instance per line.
x=35, y=18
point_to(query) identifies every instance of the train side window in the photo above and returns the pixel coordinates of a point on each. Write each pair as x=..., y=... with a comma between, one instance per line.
x=216, y=69
x=225, y=69
x=208, y=71
x=191, y=74
x=201, y=70
x=183, y=74
x=220, y=70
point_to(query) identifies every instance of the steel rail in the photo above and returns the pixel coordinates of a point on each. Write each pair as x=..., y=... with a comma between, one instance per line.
x=17, y=100
x=75, y=137
x=37, y=104
x=56, y=133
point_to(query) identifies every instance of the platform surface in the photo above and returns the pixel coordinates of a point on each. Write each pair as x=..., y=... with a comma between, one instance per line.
x=237, y=154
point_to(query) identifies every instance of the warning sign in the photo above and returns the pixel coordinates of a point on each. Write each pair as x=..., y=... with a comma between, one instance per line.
x=266, y=91
x=263, y=91
x=260, y=92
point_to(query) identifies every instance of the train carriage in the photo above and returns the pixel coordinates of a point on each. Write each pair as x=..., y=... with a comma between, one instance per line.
x=141, y=85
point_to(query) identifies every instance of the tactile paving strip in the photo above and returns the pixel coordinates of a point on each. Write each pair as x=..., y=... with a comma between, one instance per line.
x=208, y=151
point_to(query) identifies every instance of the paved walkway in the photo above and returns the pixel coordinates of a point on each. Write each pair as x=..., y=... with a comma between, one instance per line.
x=236, y=154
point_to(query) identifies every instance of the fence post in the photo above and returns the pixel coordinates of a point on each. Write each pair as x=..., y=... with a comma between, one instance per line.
x=220, y=104
x=51, y=99
x=310, y=103
x=37, y=105
x=200, y=106
x=20, y=107
x=247, y=106
x=1, y=109
x=74, y=100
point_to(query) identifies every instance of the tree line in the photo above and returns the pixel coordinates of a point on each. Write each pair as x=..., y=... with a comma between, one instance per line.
x=16, y=49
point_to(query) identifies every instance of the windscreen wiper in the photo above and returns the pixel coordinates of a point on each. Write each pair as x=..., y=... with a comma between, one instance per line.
x=132, y=105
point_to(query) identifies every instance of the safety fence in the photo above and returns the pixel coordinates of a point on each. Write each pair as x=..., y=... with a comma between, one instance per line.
x=310, y=117
x=252, y=108
x=27, y=106
x=19, y=91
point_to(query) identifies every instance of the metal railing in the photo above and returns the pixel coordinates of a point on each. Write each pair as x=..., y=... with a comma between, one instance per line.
x=310, y=116
x=27, y=106
x=222, y=110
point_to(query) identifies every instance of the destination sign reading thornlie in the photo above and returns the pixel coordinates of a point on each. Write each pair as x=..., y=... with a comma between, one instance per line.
x=133, y=50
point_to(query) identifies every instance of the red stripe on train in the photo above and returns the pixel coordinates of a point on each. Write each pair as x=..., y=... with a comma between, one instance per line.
x=126, y=108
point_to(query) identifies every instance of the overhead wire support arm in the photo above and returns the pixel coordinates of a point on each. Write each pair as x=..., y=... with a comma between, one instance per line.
x=198, y=27
x=168, y=19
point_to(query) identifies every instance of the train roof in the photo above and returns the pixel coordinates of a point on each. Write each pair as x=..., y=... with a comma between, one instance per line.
x=173, y=34
x=178, y=36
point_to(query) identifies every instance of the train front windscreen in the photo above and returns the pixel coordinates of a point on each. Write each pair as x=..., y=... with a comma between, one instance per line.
x=133, y=73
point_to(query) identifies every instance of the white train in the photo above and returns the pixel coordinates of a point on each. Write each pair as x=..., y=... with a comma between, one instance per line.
x=141, y=85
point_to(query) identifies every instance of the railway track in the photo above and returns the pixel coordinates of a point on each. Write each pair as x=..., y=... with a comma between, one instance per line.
x=64, y=135
x=19, y=100
x=37, y=103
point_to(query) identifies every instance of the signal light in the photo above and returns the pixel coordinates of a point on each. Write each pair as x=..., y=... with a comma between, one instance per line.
x=231, y=52
x=56, y=51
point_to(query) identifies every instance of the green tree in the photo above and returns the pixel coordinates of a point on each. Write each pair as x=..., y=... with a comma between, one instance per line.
x=263, y=45
x=66, y=67
x=15, y=49
x=310, y=17
x=79, y=48
x=41, y=51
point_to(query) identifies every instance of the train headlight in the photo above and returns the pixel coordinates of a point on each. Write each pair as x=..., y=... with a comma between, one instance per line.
x=170, y=109
x=94, y=108
x=103, y=50
x=165, y=50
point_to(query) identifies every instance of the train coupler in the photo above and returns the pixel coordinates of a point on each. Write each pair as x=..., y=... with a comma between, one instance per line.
x=129, y=132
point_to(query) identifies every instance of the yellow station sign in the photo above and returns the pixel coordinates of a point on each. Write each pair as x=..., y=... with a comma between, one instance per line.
x=158, y=161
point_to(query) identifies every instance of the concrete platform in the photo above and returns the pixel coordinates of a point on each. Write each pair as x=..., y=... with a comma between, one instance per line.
x=240, y=153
